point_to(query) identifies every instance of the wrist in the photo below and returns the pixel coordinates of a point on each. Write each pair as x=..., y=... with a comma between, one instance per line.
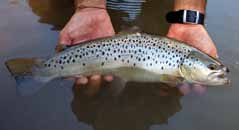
x=198, y=5
x=83, y=4
x=83, y=9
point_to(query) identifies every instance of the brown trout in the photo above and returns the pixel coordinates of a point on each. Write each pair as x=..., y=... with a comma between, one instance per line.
x=134, y=57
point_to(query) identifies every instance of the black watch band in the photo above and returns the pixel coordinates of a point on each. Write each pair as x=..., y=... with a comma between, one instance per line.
x=185, y=17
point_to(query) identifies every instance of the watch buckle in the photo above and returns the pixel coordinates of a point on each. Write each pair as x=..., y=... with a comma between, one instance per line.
x=189, y=22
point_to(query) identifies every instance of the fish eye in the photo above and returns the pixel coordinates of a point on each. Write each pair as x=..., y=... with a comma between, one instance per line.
x=212, y=66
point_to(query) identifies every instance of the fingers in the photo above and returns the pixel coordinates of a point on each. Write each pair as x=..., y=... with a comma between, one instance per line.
x=199, y=89
x=196, y=88
x=64, y=38
x=108, y=78
x=81, y=81
x=93, y=80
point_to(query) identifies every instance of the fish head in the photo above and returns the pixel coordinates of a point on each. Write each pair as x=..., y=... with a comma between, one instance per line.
x=201, y=68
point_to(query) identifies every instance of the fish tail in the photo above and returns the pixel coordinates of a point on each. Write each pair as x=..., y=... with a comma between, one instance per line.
x=22, y=69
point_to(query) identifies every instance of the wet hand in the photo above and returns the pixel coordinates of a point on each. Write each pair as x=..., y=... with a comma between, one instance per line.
x=87, y=24
x=194, y=35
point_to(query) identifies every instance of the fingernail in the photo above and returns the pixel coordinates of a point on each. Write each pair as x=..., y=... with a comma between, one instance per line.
x=82, y=81
x=95, y=77
x=109, y=78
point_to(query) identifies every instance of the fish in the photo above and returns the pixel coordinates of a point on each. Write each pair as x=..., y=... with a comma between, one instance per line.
x=136, y=57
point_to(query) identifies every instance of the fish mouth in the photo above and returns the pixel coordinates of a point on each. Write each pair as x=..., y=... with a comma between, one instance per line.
x=220, y=76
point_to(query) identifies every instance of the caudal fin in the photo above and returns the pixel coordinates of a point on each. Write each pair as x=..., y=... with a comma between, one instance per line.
x=22, y=70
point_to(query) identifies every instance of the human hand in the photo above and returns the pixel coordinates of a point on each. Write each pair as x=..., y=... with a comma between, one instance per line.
x=87, y=24
x=194, y=35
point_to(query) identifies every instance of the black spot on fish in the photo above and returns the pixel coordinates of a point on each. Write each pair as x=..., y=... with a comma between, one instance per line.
x=102, y=63
x=73, y=60
x=162, y=68
x=103, y=53
x=62, y=67
x=83, y=64
x=115, y=58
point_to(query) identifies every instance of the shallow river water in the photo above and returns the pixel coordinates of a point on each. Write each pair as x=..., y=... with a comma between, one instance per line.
x=30, y=28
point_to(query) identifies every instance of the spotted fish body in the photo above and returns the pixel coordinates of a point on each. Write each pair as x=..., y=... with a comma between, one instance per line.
x=134, y=56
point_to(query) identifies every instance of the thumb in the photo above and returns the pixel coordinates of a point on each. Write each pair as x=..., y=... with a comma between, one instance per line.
x=64, y=38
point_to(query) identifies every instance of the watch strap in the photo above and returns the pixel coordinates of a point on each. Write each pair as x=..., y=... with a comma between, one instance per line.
x=185, y=17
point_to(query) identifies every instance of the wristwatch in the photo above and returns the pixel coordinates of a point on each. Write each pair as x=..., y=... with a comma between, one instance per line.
x=185, y=17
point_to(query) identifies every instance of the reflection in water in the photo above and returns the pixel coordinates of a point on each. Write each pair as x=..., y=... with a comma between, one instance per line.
x=137, y=108
x=53, y=12
x=148, y=16
x=132, y=8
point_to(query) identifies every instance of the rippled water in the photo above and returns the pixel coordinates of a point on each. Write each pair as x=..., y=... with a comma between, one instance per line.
x=30, y=29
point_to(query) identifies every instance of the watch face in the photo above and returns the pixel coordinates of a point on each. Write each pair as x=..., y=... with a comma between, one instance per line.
x=191, y=16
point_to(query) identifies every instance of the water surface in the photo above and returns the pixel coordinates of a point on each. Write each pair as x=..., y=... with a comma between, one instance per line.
x=30, y=29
